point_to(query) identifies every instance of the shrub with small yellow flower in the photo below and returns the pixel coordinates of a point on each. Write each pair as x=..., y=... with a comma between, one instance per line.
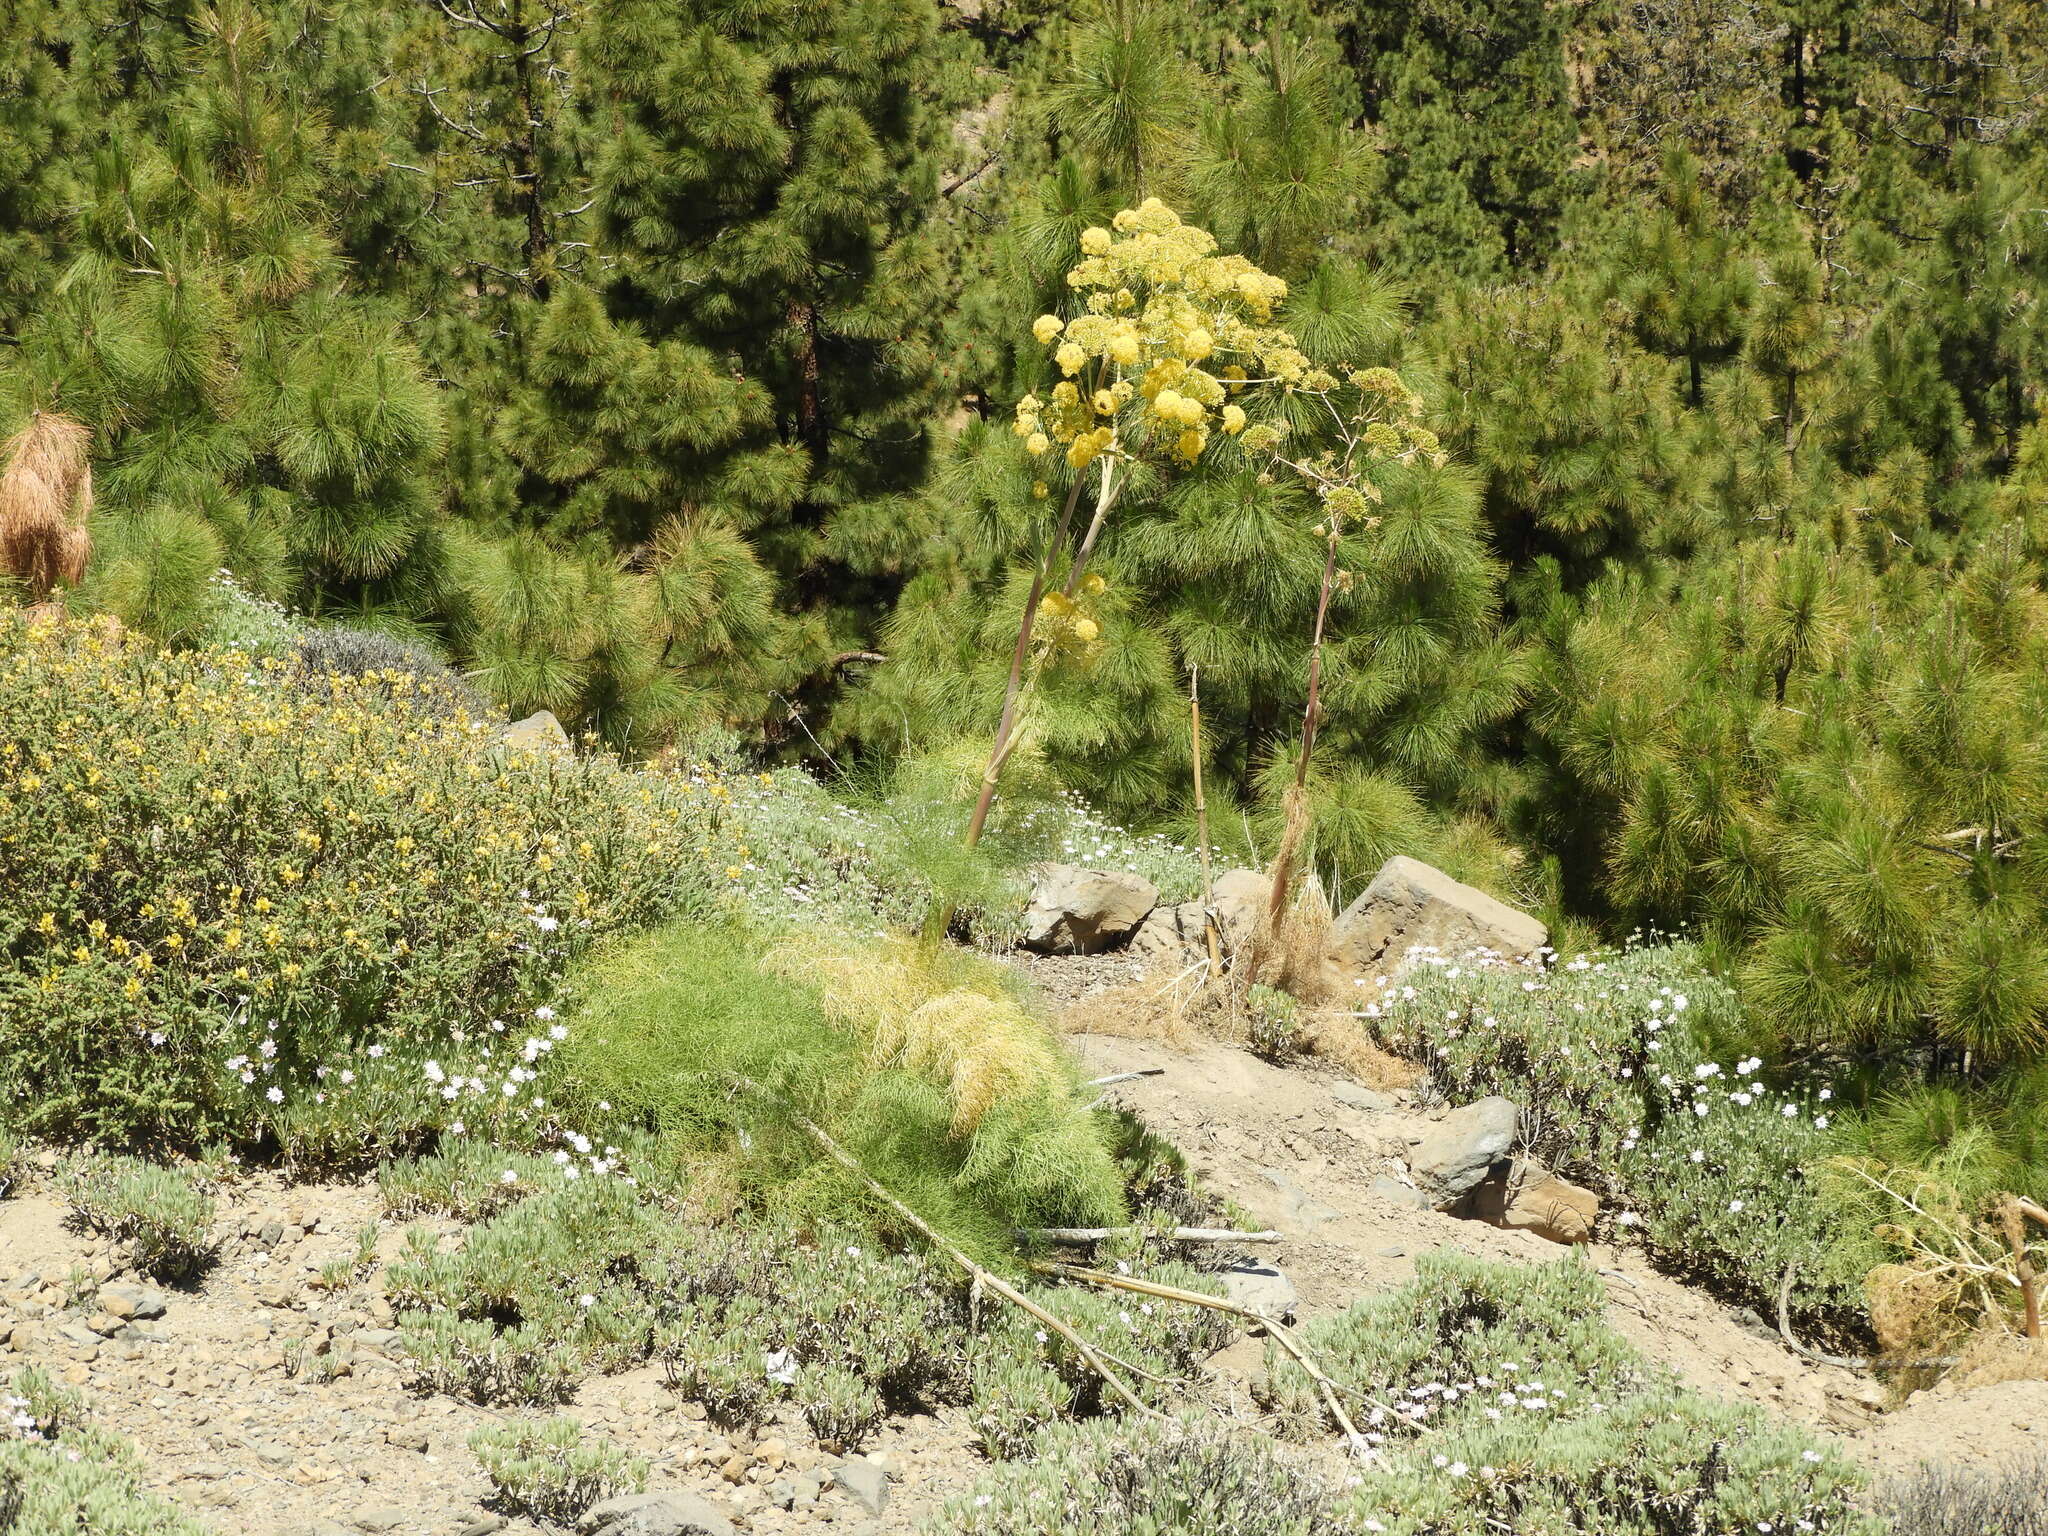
x=1176, y=354
x=236, y=903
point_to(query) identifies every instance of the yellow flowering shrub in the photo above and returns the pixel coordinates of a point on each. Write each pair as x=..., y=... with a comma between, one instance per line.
x=1170, y=331
x=235, y=903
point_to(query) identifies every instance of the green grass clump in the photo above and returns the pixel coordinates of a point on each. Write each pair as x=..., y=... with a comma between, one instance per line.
x=62, y=1476
x=553, y=1471
x=10, y=1162
x=925, y=1069
x=161, y=1214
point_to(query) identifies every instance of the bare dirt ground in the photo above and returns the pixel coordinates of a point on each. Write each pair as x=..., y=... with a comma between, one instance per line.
x=229, y=1433
x=1320, y=1158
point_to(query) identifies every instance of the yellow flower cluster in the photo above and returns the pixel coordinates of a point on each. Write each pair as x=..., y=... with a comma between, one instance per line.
x=1171, y=331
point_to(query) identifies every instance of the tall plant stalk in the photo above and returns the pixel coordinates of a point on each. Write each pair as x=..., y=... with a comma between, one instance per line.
x=1202, y=825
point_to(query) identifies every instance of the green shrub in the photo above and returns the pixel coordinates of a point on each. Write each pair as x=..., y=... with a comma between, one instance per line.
x=237, y=619
x=1949, y=1500
x=231, y=908
x=10, y=1162
x=551, y=1471
x=1635, y=1072
x=970, y=1116
x=391, y=665
x=61, y=1476
x=1274, y=1021
x=465, y=1178
x=162, y=1216
x=1147, y=1478
x=1500, y=1397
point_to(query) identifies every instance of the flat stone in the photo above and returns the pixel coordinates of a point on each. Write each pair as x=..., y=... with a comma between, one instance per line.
x=1358, y=1096
x=131, y=1302
x=483, y=1527
x=386, y=1517
x=1264, y=1288
x=1530, y=1198
x=1400, y=1194
x=669, y=1513
x=866, y=1482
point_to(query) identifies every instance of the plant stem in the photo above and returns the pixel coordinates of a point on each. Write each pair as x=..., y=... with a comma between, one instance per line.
x=1006, y=726
x=1311, y=716
x=1202, y=825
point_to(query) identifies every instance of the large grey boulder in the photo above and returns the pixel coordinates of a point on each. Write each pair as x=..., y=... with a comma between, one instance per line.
x=1076, y=911
x=655, y=1514
x=1411, y=905
x=1460, y=1151
x=1173, y=935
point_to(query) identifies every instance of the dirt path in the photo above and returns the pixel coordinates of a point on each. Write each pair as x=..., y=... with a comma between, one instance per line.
x=1320, y=1159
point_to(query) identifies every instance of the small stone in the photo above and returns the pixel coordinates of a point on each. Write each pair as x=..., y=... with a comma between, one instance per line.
x=1264, y=1288
x=539, y=731
x=316, y=1528
x=386, y=1517
x=105, y=1324
x=483, y=1527
x=735, y=1470
x=1394, y=1251
x=773, y=1452
x=270, y=1234
x=1358, y=1096
x=407, y=1438
x=131, y=1302
x=1399, y=1193
x=866, y=1482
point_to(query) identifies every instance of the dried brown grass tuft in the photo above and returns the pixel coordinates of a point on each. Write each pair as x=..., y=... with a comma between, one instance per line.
x=932, y=1015
x=1175, y=1011
x=45, y=502
x=1339, y=1039
x=1993, y=1355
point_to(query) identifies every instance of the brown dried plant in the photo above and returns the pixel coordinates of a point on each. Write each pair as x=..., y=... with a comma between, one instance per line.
x=45, y=503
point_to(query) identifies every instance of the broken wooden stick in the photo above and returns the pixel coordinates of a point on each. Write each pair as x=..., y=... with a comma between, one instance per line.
x=980, y=1275
x=1327, y=1389
x=1124, y=1077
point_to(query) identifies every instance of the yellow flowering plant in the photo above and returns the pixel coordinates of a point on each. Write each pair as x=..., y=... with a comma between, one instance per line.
x=1176, y=355
x=240, y=902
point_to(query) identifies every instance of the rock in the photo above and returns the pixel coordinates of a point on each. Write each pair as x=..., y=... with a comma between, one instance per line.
x=313, y=1527
x=407, y=1437
x=655, y=1514
x=386, y=1517
x=1076, y=911
x=539, y=731
x=1264, y=1288
x=1461, y=1150
x=1358, y=1096
x=868, y=1483
x=105, y=1324
x=1410, y=904
x=1528, y=1197
x=483, y=1527
x=132, y=1301
x=1401, y=1194
x=1173, y=934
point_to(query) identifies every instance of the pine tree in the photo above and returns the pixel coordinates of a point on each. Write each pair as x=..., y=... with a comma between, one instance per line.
x=247, y=410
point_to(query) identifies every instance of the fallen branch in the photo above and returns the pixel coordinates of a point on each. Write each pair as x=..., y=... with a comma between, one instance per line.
x=1170, y=1235
x=1124, y=1077
x=1847, y=1362
x=1278, y=1331
x=980, y=1276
